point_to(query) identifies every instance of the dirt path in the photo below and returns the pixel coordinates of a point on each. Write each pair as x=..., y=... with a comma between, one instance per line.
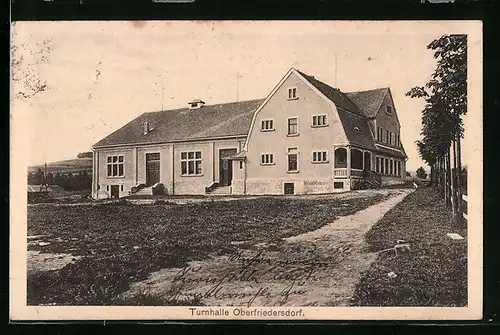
x=318, y=268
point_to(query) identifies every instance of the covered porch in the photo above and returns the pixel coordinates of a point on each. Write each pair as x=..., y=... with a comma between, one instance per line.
x=350, y=162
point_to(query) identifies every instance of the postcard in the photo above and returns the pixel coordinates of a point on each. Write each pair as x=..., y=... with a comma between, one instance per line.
x=246, y=170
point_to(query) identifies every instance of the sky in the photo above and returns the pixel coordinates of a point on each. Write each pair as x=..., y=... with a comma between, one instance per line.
x=101, y=75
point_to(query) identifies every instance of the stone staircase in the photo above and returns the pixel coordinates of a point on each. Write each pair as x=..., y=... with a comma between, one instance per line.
x=220, y=190
x=144, y=191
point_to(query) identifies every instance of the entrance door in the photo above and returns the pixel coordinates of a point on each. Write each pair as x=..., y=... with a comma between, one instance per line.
x=115, y=191
x=226, y=166
x=152, y=168
x=367, y=160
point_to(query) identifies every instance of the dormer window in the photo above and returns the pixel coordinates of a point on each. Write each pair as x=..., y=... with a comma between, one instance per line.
x=388, y=110
x=292, y=93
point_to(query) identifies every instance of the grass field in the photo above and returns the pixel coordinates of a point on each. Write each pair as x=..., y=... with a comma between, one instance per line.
x=121, y=243
x=433, y=273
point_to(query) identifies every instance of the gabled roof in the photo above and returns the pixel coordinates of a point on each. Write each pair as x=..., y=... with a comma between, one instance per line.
x=339, y=98
x=368, y=101
x=209, y=121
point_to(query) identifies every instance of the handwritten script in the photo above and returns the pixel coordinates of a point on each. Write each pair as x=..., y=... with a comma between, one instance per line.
x=248, y=276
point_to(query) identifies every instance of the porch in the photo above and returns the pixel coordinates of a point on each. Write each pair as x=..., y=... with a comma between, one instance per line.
x=354, y=163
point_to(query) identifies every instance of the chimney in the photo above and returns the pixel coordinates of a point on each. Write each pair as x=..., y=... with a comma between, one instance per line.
x=196, y=103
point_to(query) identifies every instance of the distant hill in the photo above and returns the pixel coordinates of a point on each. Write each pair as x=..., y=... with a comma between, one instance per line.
x=68, y=165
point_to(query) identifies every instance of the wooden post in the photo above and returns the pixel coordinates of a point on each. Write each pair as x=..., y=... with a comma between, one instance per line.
x=348, y=162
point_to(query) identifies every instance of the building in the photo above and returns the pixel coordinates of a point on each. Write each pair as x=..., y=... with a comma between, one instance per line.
x=306, y=137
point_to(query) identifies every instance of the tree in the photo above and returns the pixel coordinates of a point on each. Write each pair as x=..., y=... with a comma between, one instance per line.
x=442, y=128
x=421, y=173
x=49, y=179
x=38, y=179
x=25, y=60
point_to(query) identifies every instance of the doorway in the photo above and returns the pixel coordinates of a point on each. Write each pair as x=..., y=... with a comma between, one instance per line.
x=226, y=166
x=367, y=160
x=115, y=191
x=152, y=168
x=289, y=188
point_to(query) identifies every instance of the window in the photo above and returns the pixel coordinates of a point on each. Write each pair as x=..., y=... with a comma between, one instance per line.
x=267, y=125
x=377, y=165
x=115, y=166
x=107, y=188
x=292, y=93
x=267, y=159
x=398, y=143
x=386, y=171
x=338, y=185
x=191, y=162
x=390, y=138
x=241, y=165
x=293, y=126
x=293, y=164
x=319, y=120
x=387, y=136
x=391, y=166
x=319, y=157
x=121, y=187
x=380, y=133
x=388, y=109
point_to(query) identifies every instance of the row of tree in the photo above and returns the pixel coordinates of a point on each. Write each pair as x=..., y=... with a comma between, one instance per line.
x=445, y=98
x=68, y=181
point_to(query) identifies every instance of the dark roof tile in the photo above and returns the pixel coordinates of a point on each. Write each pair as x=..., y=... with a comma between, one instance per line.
x=209, y=121
x=339, y=98
x=357, y=129
x=368, y=101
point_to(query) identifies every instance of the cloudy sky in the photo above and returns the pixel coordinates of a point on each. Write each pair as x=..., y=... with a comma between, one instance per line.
x=103, y=74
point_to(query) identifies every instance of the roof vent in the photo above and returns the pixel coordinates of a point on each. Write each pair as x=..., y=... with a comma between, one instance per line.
x=196, y=103
x=356, y=129
x=146, y=127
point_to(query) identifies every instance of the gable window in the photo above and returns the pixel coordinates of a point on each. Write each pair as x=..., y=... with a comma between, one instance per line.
x=388, y=109
x=319, y=157
x=115, y=166
x=293, y=126
x=293, y=160
x=191, y=162
x=319, y=120
x=267, y=125
x=292, y=93
x=267, y=159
